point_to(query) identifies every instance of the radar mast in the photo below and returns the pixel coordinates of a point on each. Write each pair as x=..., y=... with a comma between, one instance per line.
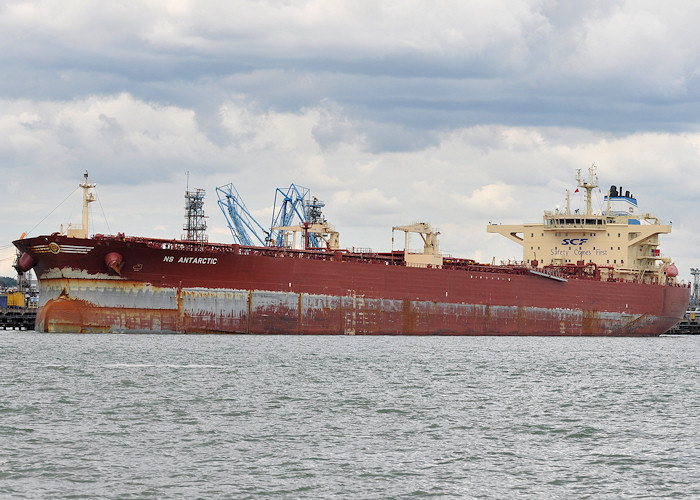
x=588, y=185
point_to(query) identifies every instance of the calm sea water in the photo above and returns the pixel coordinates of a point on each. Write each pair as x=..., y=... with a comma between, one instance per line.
x=129, y=416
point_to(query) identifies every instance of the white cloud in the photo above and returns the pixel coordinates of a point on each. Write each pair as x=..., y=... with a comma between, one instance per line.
x=349, y=29
x=117, y=133
x=494, y=199
x=644, y=44
x=366, y=202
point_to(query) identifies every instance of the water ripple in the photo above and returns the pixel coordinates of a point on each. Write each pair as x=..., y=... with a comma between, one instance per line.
x=249, y=417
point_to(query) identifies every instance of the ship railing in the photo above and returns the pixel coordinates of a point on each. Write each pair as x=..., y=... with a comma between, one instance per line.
x=514, y=263
x=356, y=255
x=388, y=259
x=579, y=270
x=575, y=219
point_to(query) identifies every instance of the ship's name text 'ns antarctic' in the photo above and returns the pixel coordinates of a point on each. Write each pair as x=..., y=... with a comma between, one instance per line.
x=190, y=260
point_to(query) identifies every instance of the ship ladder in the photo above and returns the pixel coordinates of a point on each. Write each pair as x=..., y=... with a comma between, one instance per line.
x=642, y=271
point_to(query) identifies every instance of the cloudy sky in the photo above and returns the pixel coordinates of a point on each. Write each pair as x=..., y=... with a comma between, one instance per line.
x=454, y=112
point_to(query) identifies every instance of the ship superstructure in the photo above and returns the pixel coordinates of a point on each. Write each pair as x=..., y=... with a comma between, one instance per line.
x=619, y=240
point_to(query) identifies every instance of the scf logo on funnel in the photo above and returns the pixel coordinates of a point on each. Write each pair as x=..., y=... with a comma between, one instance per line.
x=574, y=241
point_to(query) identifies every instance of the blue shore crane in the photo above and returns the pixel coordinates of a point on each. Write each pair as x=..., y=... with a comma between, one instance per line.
x=293, y=208
x=244, y=228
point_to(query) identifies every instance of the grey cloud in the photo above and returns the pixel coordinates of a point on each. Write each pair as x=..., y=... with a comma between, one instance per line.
x=514, y=63
x=345, y=95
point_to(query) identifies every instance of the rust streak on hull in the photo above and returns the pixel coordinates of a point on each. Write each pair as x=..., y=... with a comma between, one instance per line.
x=265, y=312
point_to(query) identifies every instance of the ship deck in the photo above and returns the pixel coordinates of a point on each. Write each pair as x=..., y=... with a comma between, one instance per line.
x=394, y=258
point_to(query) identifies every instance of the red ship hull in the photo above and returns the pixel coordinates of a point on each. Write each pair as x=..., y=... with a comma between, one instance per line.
x=135, y=285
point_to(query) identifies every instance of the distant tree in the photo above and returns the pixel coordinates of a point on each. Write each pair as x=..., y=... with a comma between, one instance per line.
x=7, y=282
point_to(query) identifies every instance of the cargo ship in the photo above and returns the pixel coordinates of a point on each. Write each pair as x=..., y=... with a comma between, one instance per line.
x=594, y=274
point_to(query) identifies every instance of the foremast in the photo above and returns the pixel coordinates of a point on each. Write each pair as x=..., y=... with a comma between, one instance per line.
x=88, y=197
